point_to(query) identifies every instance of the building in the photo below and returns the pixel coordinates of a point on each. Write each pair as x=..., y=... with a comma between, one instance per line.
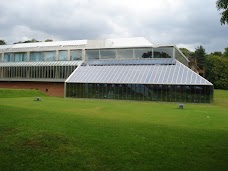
x=126, y=69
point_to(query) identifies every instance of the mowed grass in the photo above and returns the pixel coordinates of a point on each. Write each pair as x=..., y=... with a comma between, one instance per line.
x=85, y=134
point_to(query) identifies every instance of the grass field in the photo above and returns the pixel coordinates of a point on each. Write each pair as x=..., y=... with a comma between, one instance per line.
x=85, y=134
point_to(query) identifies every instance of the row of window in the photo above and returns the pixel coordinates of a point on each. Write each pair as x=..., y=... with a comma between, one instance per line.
x=130, y=53
x=51, y=72
x=142, y=92
x=42, y=56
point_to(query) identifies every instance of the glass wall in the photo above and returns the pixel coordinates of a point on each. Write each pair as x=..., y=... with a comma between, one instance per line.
x=92, y=54
x=15, y=57
x=75, y=55
x=163, y=52
x=142, y=92
x=20, y=57
x=36, y=56
x=108, y=54
x=124, y=53
x=63, y=55
x=8, y=57
x=140, y=53
x=28, y=72
x=181, y=58
x=49, y=56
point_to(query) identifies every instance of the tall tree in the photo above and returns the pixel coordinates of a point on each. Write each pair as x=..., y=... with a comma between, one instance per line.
x=200, y=56
x=2, y=42
x=217, y=71
x=222, y=5
x=225, y=54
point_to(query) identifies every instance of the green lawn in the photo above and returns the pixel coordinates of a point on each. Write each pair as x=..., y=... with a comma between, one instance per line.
x=85, y=134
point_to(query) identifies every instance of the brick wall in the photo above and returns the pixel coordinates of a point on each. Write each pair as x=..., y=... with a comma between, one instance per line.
x=49, y=88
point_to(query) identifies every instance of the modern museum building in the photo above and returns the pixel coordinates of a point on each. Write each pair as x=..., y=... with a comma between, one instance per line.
x=124, y=69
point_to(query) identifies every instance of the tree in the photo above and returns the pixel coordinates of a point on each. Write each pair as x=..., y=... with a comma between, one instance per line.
x=225, y=54
x=2, y=42
x=48, y=40
x=217, y=53
x=217, y=71
x=28, y=41
x=223, y=5
x=189, y=54
x=200, y=56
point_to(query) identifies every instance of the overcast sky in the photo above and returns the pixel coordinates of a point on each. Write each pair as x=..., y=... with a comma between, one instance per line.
x=185, y=23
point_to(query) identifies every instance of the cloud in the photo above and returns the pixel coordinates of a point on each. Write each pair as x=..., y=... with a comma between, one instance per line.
x=179, y=22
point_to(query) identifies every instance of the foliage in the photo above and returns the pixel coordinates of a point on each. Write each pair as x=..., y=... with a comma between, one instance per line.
x=223, y=5
x=76, y=134
x=217, y=53
x=48, y=40
x=225, y=54
x=187, y=53
x=28, y=41
x=217, y=71
x=200, y=56
x=2, y=42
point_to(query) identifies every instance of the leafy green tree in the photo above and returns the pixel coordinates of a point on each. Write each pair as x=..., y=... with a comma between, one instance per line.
x=48, y=40
x=223, y=5
x=187, y=52
x=200, y=56
x=2, y=42
x=217, y=71
x=28, y=41
x=225, y=54
x=217, y=53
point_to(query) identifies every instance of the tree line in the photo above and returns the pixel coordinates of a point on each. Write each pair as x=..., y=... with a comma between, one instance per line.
x=3, y=42
x=214, y=64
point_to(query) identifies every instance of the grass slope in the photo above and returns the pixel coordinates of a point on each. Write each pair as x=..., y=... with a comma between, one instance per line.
x=82, y=134
x=8, y=93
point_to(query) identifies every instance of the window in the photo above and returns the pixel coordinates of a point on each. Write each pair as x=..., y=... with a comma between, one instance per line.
x=20, y=57
x=49, y=56
x=75, y=55
x=63, y=55
x=8, y=57
x=37, y=56
x=125, y=53
x=143, y=53
x=92, y=54
x=108, y=54
x=163, y=52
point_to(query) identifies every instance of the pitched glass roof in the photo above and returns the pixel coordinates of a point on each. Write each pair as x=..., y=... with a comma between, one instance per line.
x=177, y=74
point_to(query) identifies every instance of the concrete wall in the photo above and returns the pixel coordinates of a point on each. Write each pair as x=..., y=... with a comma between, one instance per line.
x=49, y=88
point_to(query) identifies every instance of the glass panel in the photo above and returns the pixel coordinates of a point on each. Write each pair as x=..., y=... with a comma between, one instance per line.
x=163, y=52
x=108, y=54
x=49, y=56
x=75, y=55
x=37, y=56
x=143, y=53
x=180, y=57
x=8, y=57
x=92, y=54
x=63, y=55
x=19, y=57
x=125, y=53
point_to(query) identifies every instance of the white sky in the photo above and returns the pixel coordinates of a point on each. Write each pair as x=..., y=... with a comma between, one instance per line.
x=185, y=23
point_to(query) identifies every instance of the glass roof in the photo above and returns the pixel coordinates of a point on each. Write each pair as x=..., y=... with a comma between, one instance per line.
x=177, y=74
